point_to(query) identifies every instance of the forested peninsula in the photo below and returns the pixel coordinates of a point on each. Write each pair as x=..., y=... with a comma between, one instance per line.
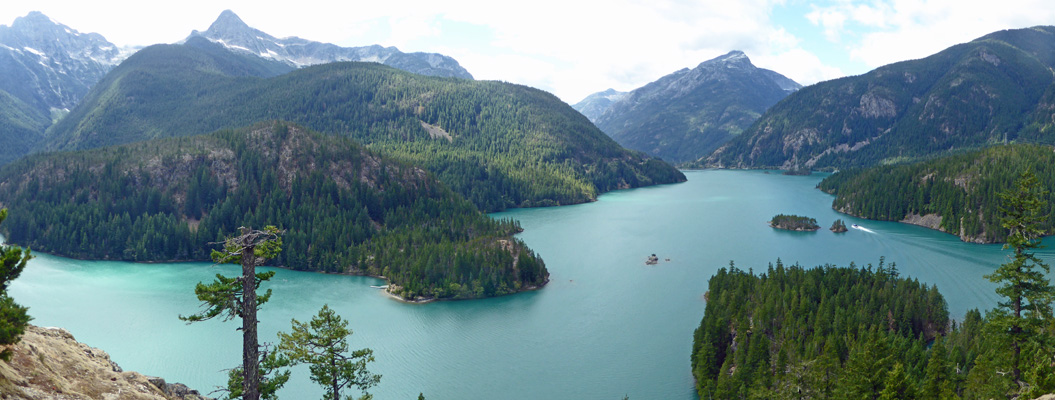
x=790, y=332
x=344, y=209
x=498, y=144
x=955, y=194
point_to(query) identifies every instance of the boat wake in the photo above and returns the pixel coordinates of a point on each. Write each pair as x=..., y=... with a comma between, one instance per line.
x=859, y=227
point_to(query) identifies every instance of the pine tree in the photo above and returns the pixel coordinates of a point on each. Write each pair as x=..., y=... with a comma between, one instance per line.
x=13, y=317
x=897, y=385
x=237, y=298
x=323, y=343
x=1022, y=280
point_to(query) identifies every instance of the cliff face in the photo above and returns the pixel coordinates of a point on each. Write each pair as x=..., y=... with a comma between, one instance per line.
x=50, y=364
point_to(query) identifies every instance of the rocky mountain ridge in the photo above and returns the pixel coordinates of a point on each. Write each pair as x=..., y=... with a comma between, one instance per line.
x=234, y=34
x=50, y=65
x=594, y=105
x=689, y=113
x=995, y=89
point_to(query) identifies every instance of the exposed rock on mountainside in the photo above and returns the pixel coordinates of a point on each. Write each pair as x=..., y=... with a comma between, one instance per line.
x=689, y=113
x=594, y=105
x=998, y=88
x=51, y=66
x=45, y=68
x=233, y=33
x=49, y=364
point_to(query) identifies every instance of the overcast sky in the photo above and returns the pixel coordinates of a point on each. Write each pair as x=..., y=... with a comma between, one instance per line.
x=576, y=47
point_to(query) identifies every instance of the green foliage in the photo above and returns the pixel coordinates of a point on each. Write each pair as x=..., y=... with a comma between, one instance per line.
x=272, y=377
x=21, y=127
x=825, y=332
x=13, y=317
x=794, y=222
x=996, y=89
x=499, y=145
x=838, y=226
x=963, y=189
x=323, y=343
x=1023, y=281
x=343, y=209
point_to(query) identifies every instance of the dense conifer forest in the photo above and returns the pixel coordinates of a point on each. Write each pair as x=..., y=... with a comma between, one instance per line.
x=498, y=144
x=344, y=209
x=962, y=189
x=794, y=222
x=850, y=333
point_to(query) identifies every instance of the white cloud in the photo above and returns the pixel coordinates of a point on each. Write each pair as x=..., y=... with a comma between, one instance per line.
x=888, y=31
x=576, y=47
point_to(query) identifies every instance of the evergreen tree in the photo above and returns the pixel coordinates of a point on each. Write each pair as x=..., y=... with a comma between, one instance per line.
x=13, y=317
x=897, y=385
x=1022, y=280
x=237, y=297
x=323, y=343
x=938, y=378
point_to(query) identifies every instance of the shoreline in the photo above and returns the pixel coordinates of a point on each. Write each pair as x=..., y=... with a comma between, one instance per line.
x=388, y=283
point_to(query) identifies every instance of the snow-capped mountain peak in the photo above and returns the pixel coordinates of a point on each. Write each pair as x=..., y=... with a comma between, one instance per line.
x=230, y=31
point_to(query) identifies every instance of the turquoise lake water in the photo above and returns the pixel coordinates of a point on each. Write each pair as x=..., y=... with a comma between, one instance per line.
x=605, y=326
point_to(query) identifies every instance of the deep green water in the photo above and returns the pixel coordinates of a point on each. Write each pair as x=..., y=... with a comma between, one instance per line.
x=606, y=326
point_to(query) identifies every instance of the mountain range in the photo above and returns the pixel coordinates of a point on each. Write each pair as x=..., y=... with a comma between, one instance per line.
x=995, y=89
x=687, y=114
x=231, y=32
x=500, y=145
x=46, y=68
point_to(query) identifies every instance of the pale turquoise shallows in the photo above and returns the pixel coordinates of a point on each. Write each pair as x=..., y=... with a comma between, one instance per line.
x=606, y=326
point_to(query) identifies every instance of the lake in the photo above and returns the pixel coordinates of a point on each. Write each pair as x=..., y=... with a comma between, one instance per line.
x=606, y=325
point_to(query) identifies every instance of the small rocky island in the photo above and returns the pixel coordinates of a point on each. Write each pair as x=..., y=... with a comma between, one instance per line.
x=794, y=223
x=838, y=226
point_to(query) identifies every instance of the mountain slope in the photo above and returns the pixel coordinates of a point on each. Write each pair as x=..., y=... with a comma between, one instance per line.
x=344, y=209
x=594, y=105
x=49, y=65
x=689, y=113
x=21, y=127
x=996, y=88
x=955, y=194
x=231, y=32
x=500, y=145
x=45, y=67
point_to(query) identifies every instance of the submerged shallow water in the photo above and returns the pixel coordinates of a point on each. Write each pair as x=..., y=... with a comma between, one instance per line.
x=605, y=326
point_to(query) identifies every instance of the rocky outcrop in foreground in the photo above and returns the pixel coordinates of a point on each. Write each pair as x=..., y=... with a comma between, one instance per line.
x=50, y=364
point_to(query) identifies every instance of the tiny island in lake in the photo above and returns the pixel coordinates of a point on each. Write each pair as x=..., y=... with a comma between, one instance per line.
x=838, y=226
x=794, y=223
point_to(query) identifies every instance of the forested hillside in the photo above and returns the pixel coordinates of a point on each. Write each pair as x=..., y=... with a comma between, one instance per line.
x=498, y=144
x=21, y=127
x=955, y=194
x=850, y=333
x=998, y=88
x=344, y=209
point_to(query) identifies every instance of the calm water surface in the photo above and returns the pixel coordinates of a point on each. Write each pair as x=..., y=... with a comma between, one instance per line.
x=606, y=326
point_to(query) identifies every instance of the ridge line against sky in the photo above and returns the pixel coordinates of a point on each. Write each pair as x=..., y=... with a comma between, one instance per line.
x=573, y=48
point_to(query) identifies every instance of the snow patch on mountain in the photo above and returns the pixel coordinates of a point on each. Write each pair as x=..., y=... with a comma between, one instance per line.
x=231, y=32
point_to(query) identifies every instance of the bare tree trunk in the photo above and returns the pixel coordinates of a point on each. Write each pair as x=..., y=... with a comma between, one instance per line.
x=250, y=349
